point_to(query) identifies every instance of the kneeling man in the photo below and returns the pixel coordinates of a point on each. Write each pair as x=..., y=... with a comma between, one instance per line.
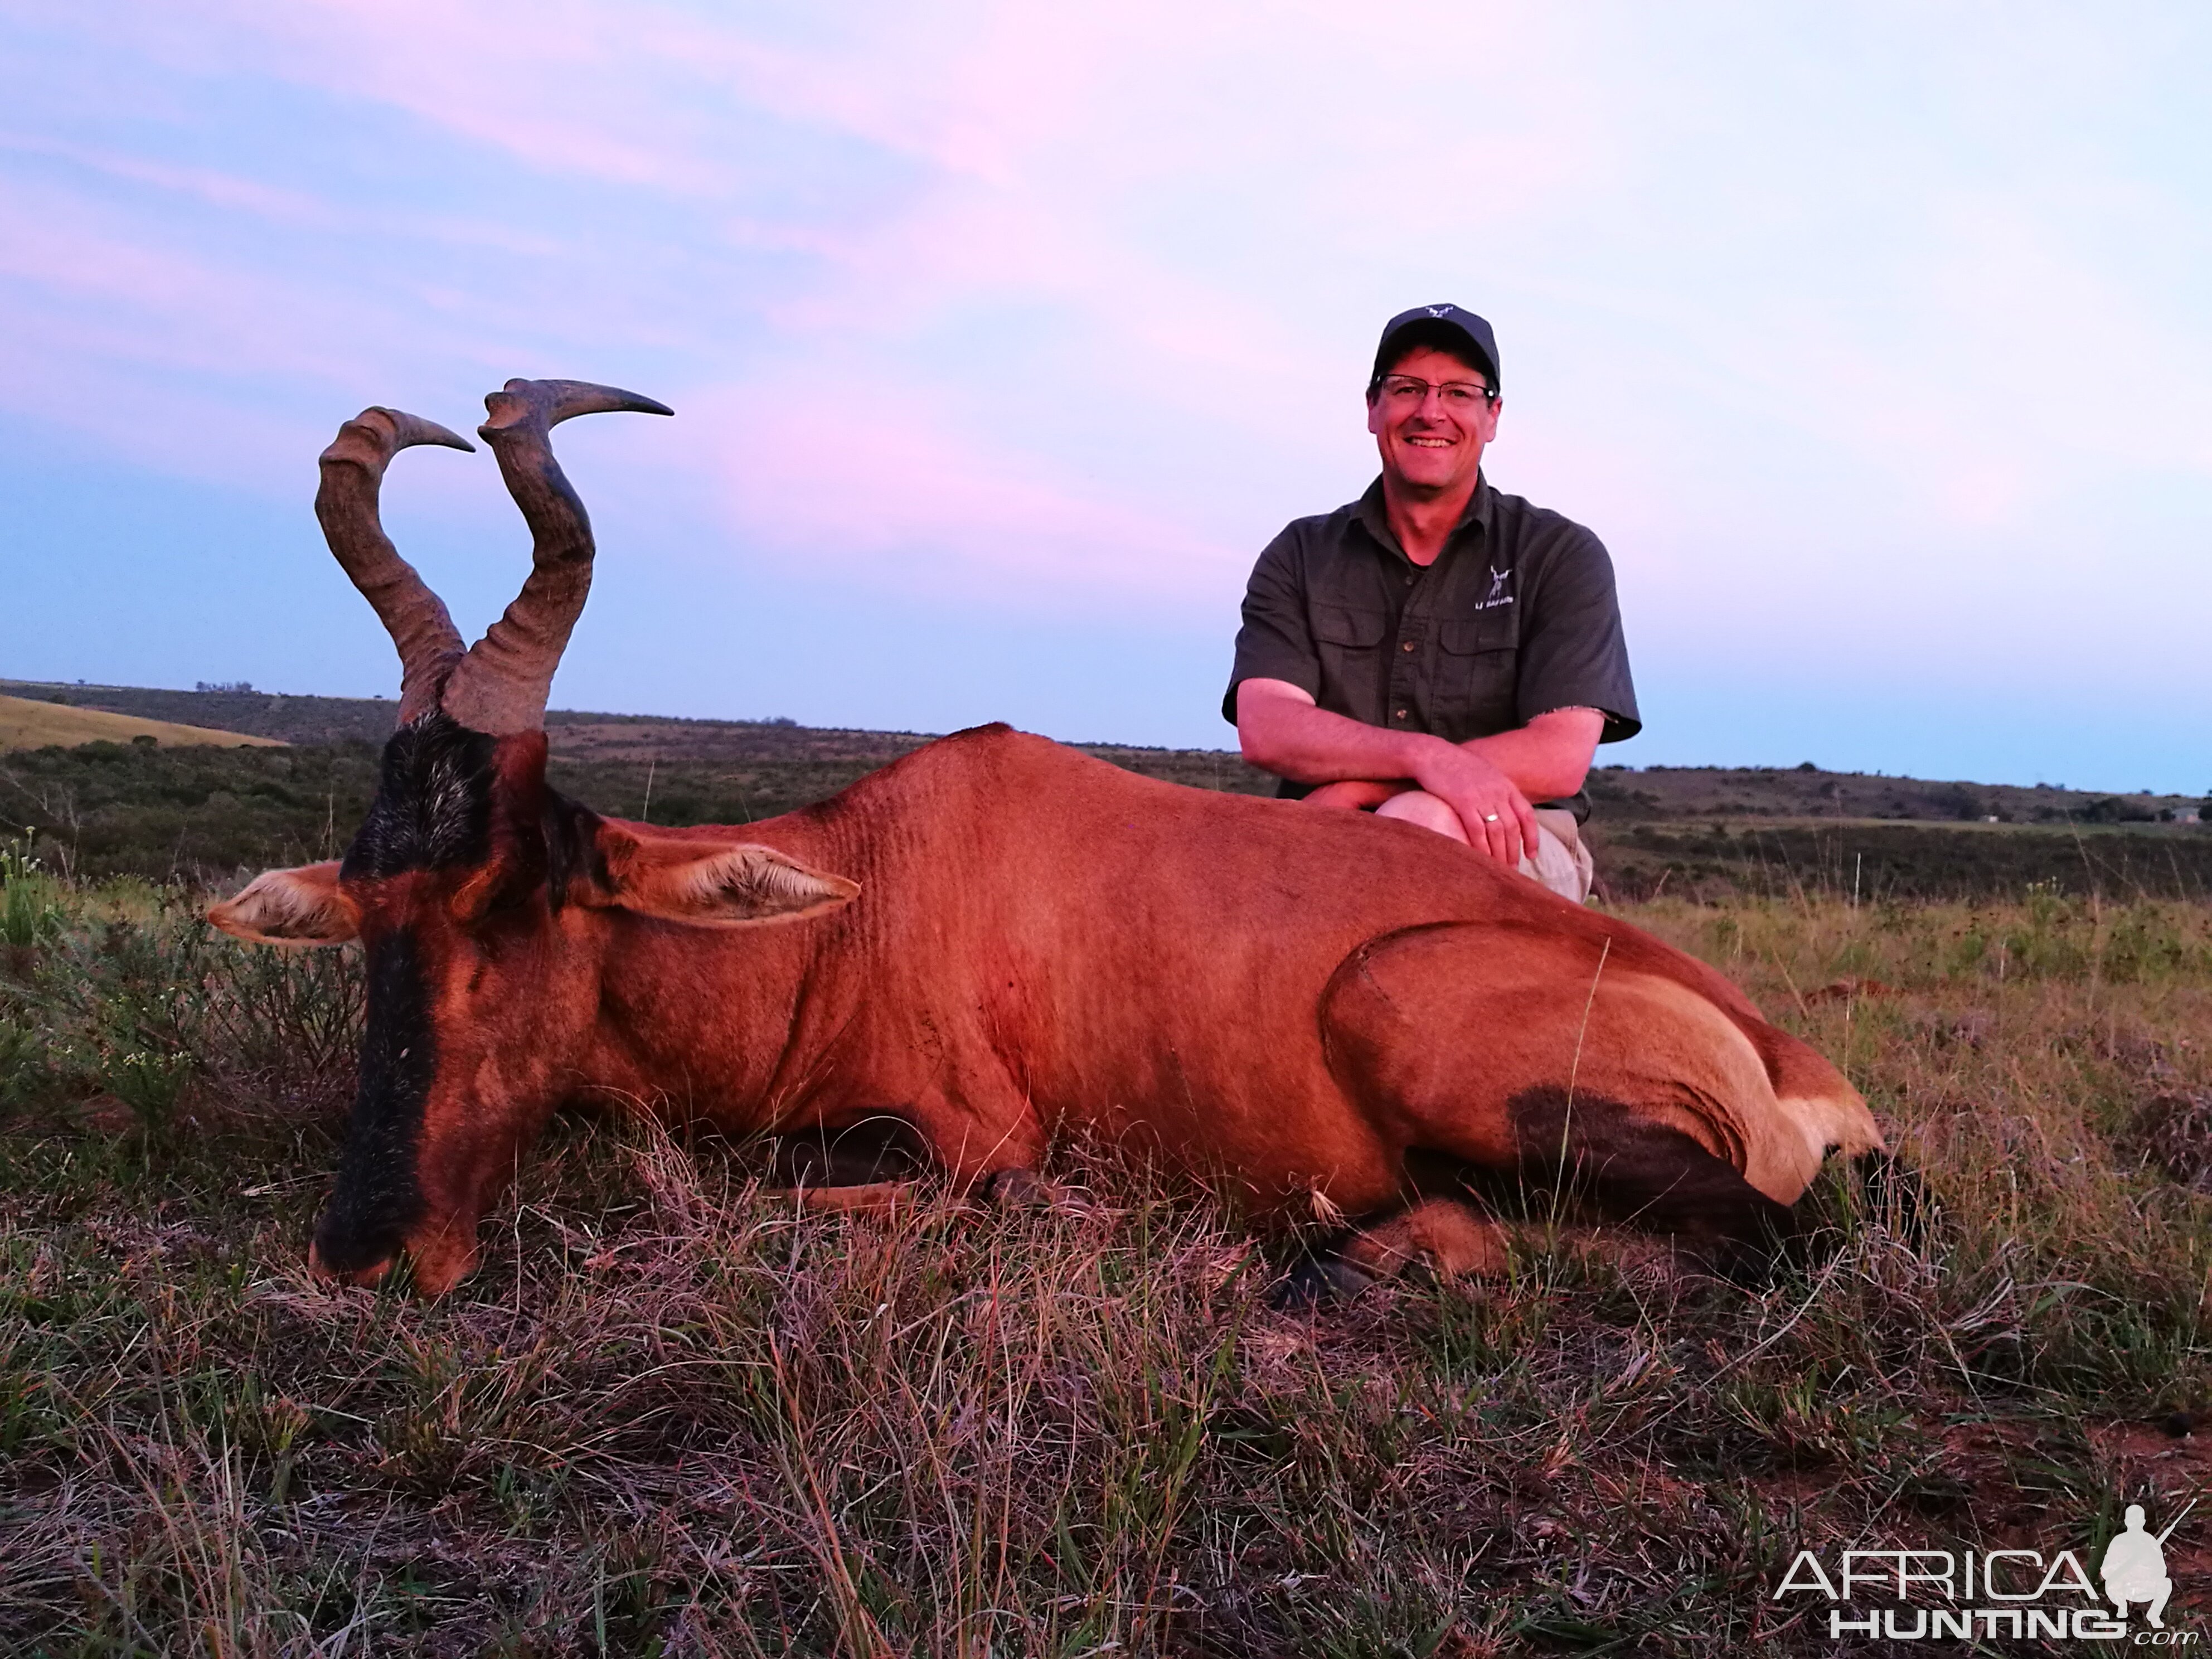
x=1438, y=651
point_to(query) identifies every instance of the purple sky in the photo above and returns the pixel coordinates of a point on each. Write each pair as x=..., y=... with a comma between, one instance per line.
x=1872, y=343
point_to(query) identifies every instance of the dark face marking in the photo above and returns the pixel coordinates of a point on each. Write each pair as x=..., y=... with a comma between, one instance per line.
x=433, y=812
x=452, y=807
x=377, y=1196
x=434, y=802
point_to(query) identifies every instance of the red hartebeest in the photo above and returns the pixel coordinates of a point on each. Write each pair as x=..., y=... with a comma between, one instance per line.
x=994, y=941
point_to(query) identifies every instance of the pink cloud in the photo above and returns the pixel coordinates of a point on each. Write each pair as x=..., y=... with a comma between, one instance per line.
x=886, y=488
x=1203, y=212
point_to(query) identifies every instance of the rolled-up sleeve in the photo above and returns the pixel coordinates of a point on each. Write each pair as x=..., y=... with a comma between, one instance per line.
x=1276, y=642
x=1573, y=654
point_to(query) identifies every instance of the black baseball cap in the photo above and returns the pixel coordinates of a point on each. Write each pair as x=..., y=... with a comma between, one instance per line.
x=1450, y=323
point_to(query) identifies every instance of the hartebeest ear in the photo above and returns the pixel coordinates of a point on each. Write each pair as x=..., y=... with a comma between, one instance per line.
x=712, y=886
x=298, y=907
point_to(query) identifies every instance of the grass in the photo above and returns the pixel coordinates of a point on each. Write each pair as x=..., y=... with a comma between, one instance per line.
x=669, y=1416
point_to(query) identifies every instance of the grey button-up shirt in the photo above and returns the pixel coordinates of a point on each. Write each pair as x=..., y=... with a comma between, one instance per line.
x=1516, y=617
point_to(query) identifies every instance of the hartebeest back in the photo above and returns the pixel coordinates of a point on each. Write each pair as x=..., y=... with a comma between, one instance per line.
x=995, y=941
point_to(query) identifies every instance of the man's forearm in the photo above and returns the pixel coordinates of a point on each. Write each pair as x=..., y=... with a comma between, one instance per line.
x=1548, y=757
x=1283, y=732
x=1296, y=740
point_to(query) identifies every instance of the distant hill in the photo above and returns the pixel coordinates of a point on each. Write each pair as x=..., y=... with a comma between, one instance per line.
x=617, y=744
x=651, y=742
x=1808, y=792
x=258, y=714
x=37, y=723
x=1700, y=832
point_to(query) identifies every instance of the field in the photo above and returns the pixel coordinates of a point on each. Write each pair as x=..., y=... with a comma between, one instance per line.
x=29, y=723
x=1704, y=833
x=670, y=1416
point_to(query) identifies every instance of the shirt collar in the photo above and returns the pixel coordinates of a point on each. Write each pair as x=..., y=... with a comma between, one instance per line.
x=1375, y=517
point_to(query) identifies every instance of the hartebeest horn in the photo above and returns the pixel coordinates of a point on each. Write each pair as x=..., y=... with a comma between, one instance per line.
x=501, y=686
x=352, y=476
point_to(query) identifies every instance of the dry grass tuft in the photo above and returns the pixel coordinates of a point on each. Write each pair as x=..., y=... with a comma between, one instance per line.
x=2174, y=1132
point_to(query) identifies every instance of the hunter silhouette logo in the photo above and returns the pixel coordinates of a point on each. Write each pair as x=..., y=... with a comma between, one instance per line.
x=2134, y=1565
x=1935, y=1595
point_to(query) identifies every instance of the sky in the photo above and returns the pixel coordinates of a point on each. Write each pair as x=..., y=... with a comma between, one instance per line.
x=1872, y=341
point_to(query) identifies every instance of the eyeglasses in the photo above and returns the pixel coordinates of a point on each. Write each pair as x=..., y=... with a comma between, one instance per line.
x=1463, y=396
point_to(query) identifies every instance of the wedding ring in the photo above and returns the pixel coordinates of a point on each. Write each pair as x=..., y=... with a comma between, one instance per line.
x=1490, y=818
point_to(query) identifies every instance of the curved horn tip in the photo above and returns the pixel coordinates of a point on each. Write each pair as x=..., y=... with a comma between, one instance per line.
x=554, y=401
x=372, y=437
x=409, y=431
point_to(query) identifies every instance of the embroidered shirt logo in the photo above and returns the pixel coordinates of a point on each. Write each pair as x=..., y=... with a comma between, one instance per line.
x=1498, y=595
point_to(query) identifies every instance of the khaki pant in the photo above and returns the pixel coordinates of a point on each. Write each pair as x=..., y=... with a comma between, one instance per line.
x=1561, y=862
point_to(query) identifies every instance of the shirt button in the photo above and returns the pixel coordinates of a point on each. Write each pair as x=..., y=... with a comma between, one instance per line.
x=1408, y=646
x=1399, y=715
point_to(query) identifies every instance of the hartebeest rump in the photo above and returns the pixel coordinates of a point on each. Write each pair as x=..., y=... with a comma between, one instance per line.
x=996, y=941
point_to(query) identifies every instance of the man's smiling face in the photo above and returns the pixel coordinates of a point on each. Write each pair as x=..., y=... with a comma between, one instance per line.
x=1431, y=441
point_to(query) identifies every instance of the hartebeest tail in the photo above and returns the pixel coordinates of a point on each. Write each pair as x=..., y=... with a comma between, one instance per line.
x=991, y=942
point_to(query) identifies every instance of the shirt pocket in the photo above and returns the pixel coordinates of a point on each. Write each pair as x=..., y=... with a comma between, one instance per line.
x=1348, y=639
x=1478, y=675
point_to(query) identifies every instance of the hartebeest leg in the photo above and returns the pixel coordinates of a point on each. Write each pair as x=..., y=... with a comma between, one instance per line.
x=873, y=1149
x=1440, y=1235
x=1662, y=1110
x=1443, y=1238
x=1437, y=1236
x=1651, y=1175
x=869, y=1163
x=861, y=1165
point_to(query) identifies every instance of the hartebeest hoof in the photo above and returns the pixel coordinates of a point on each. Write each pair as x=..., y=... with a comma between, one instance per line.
x=1316, y=1281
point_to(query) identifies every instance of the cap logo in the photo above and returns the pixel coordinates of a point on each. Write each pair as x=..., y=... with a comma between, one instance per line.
x=1440, y=311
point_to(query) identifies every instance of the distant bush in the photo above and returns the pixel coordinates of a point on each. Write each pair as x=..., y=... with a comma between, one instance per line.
x=2116, y=809
x=1885, y=862
x=109, y=809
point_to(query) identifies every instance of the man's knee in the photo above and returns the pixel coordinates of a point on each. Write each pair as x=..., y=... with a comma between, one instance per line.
x=1418, y=806
x=1561, y=859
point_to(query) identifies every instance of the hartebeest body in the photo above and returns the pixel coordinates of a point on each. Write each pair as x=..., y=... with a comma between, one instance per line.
x=996, y=941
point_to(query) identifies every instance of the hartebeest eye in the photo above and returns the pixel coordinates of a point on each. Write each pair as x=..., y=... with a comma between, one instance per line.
x=495, y=887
